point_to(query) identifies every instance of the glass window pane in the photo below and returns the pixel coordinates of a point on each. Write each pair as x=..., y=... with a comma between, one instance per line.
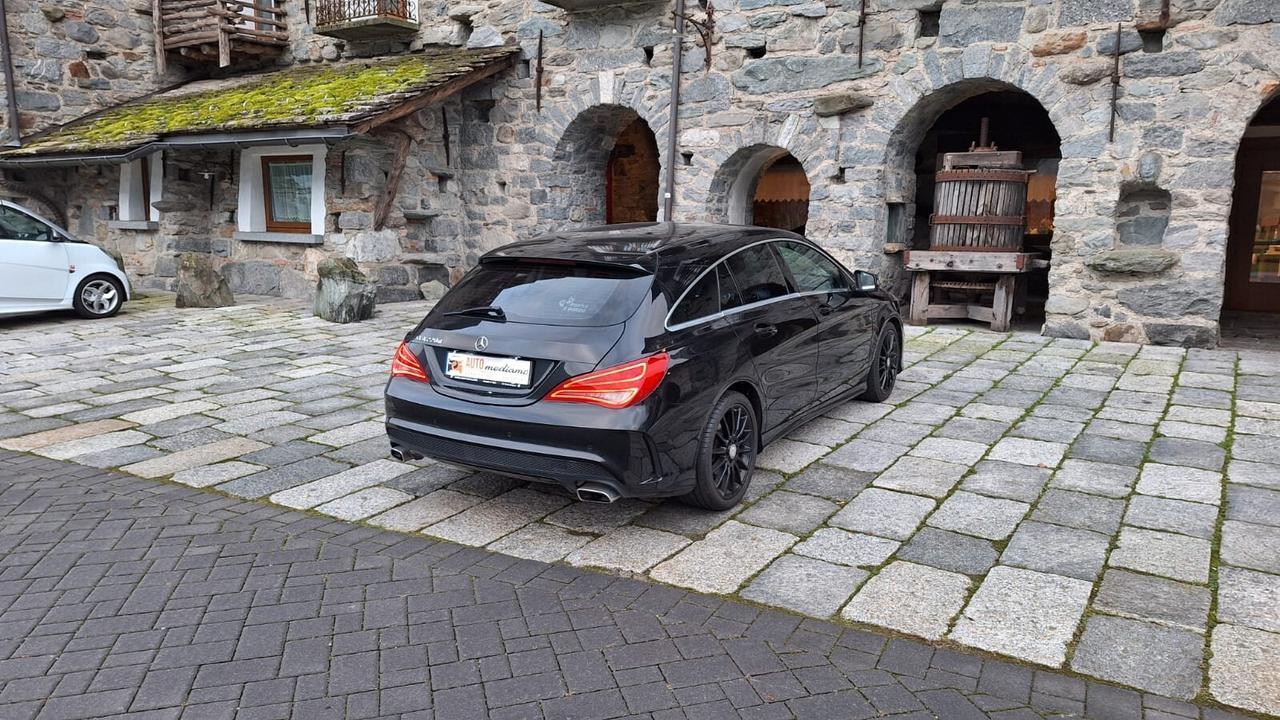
x=811, y=269
x=15, y=225
x=1265, y=266
x=757, y=274
x=729, y=297
x=701, y=300
x=289, y=183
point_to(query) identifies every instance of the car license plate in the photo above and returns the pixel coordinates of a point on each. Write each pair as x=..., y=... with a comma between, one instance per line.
x=484, y=368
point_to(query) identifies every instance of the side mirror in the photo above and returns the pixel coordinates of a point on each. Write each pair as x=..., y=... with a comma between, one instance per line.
x=865, y=281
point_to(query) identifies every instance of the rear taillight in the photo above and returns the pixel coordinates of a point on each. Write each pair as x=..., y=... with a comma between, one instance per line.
x=405, y=364
x=617, y=387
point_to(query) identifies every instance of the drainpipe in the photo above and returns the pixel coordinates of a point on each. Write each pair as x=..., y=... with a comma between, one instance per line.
x=11, y=95
x=677, y=54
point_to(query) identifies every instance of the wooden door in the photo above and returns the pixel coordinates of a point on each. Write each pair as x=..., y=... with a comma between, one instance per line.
x=1253, y=249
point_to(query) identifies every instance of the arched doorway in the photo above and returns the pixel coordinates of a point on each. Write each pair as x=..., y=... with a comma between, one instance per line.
x=1251, y=305
x=762, y=185
x=1015, y=122
x=632, y=176
x=605, y=169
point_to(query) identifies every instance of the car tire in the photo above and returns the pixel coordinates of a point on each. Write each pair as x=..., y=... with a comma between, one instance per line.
x=886, y=361
x=728, y=445
x=98, y=296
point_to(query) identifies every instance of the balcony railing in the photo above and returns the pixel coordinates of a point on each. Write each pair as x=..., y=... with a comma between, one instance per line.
x=366, y=19
x=222, y=30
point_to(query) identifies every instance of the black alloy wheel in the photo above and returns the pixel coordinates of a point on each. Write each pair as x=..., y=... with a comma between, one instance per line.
x=885, y=364
x=729, y=446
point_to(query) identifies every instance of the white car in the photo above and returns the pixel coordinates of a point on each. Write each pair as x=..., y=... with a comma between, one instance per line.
x=44, y=267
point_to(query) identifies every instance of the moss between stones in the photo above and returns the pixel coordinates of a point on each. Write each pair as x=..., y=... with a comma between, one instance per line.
x=298, y=97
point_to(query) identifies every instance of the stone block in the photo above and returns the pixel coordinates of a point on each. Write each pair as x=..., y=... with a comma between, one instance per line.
x=544, y=543
x=789, y=456
x=628, y=549
x=1255, y=505
x=804, y=585
x=846, y=548
x=949, y=551
x=1021, y=451
x=488, y=521
x=1146, y=597
x=791, y=512
x=964, y=25
x=1089, y=12
x=840, y=104
x=884, y=513
x=921, y=476
x=1141, y=654
x=909, y=598
x=1165, y=554
x=200, y=284
x=1249, y=598
x=1133, y=261
x=1251, y=546
x=866, y=455
x=1024, y=614
x=343, y=294
x=724, y=559
x=1095, y=478
x=795, y=73
x=830, y=482
x=1007, y=480
x=1247, y=12
x=978, y=515
x=1176, y=516
x=1188, y=454
x=1057, y=550
x=1242, y=668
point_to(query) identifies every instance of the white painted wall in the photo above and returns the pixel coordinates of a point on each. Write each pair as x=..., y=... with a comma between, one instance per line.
x=251, y=213
x=133, y=206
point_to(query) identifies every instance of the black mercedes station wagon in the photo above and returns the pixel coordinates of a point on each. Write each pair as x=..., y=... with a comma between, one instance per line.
x=647, y=360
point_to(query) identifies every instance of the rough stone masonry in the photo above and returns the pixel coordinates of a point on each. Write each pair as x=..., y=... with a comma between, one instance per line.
x=1141, y=221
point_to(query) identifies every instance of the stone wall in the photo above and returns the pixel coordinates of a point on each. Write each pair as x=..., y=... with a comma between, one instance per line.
x=71, y=58
x=784, y=75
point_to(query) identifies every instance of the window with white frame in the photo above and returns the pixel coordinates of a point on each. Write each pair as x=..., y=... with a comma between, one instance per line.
x=282, y=190
x=140, y=187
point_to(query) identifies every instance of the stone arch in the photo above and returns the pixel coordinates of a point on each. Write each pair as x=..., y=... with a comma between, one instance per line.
x=575, y=179
x=733, y=187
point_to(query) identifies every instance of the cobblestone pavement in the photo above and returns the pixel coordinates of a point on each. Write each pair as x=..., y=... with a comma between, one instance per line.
x=1104, y=508
x=126, y=597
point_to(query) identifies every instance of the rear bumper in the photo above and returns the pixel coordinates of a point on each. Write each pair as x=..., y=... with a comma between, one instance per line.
x=519, y=442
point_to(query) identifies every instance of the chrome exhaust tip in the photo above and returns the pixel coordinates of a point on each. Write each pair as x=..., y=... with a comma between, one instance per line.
x=404, y=455
x=597, y=494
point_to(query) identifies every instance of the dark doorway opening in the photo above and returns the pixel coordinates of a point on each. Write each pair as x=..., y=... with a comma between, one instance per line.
x=1016, y=122
x=782, y=196
x=1251, y=304
x=632, y=176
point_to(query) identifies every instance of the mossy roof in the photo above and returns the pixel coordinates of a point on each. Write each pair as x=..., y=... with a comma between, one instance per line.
x=304, y=96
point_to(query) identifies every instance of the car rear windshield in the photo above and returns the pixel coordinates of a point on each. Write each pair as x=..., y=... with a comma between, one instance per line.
x=550, y=293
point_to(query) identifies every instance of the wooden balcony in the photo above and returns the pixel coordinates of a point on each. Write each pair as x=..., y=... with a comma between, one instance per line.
x=224, y=31
x=366, y=19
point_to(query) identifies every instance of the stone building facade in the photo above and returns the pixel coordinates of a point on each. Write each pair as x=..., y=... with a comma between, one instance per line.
x=1141, y=216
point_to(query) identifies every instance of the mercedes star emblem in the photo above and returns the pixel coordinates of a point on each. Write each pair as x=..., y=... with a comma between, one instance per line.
x=482, y=342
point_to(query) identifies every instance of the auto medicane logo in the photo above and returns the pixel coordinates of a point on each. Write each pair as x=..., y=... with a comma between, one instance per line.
x=482, y=342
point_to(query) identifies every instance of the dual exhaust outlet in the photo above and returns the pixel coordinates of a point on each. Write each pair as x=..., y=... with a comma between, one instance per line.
x=587, y=493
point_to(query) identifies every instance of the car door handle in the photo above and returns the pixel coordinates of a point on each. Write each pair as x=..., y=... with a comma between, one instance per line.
x=766, y=329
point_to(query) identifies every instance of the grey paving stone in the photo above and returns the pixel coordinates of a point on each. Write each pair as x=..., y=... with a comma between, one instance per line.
x=1007, y=480
x=791, y=512
x=1242, y=668
x=539, y=541
x=424, y=511
x=1142, y=655
x=826, y=431
x=207, y=475
x=846, y=548
x=1249, y=598
x=286, y=476
x=676, y=517
x=320, y=491
x=364, y=503
x=426, y=480
x=1109, y=450
x=629, y=549
x=884, y=513
x=961, y=452
x=1251, y=473
x=909, y=598
x=1251, y=546
x=486, y=485
x=973, y=429
x=923, y=413
x=1174, y=556
x=830, y=482
x=1147, y=597
x=1177, y=516
x=1024, y=614
x=1078, y=510
x=1256, y=505
x=1181, y=483
x=789, y=456
x=490, y=520
x=984, y=517
x=1121, y=430
x=921, y=476
x=1048, y=429
x=949, y=551
x=1095, y=478
x=895, y=433
x=598, y=519
x=1192, y=431
x=1188, y=453
x=1022, y=451
x=289, y=452
x=1256, y=448
x=1057, y=550
x=724, y=559
x=805, y=585
x=865, y=455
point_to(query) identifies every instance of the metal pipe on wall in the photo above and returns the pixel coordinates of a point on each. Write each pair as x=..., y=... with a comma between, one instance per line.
x=11, y=95
x=677, y=54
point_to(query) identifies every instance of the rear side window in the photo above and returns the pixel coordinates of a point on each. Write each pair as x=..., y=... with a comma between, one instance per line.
x=703, y=299
x=757, y=274
x=550, y=294
x=812, y=270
